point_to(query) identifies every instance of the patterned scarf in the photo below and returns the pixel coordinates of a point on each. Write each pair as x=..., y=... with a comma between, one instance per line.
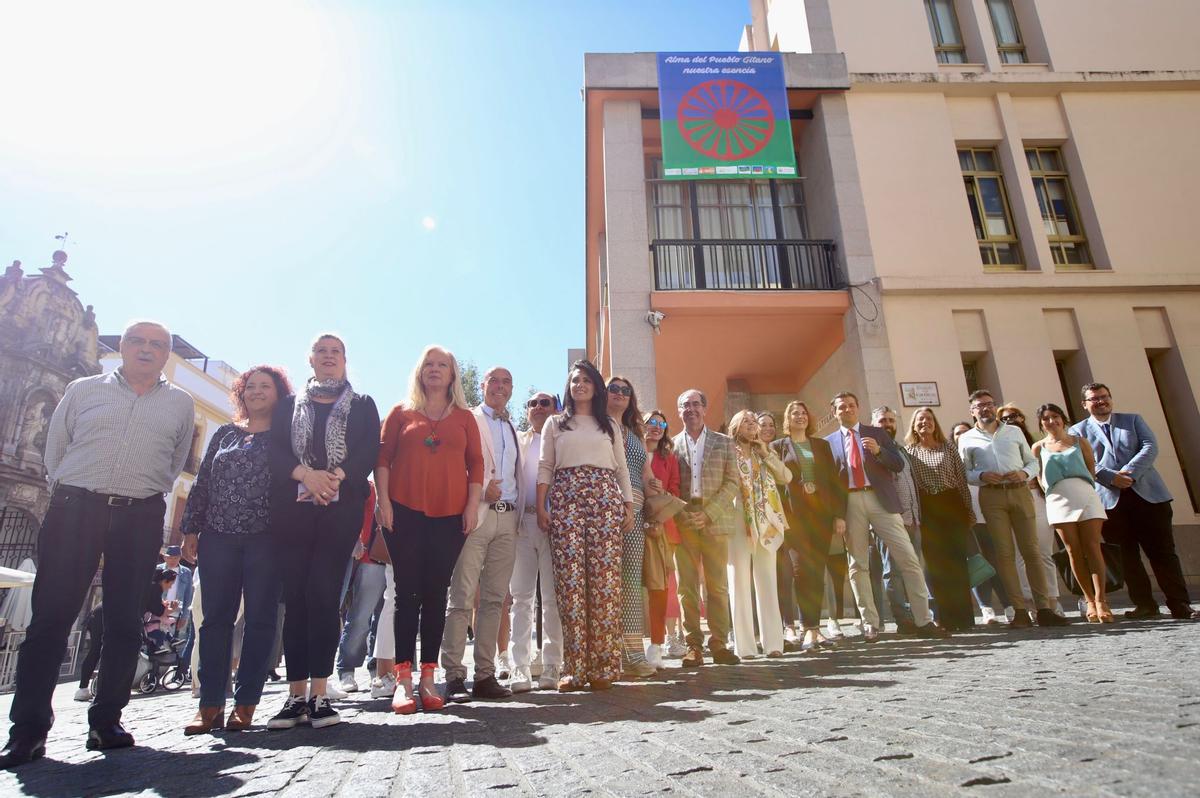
x=335, y=430
x=761, y=504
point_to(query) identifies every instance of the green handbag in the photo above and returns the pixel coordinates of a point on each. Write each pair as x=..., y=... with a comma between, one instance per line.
x=979, y=570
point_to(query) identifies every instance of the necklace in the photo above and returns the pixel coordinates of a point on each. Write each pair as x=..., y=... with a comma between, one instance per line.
x=432, y=440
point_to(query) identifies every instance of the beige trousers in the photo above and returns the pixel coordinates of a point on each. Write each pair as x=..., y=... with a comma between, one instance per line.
x=1010, y=516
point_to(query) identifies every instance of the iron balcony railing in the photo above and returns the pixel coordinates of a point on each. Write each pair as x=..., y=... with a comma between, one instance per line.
x=745, y=264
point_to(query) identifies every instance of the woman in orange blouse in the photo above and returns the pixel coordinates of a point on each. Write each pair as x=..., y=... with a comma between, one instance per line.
x=429, y=477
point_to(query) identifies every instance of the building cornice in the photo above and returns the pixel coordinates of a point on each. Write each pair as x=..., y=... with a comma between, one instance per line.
x=1024, y=79
x=1089, y=282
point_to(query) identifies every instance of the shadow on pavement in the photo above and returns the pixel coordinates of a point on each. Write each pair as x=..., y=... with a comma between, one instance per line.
x=136, y=769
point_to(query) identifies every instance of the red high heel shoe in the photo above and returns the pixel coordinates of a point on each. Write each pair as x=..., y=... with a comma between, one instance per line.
x=431, y=699
x=402, y=699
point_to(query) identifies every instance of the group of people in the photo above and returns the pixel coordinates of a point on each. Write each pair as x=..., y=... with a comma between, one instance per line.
x=596, y=501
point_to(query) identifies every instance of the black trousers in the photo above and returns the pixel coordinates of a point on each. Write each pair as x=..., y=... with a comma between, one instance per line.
x=944, y=531
x=1136, y=525
x=95, y=634
x=424, y=551
x=314, y=544
x=78, y=528
x=808, y=535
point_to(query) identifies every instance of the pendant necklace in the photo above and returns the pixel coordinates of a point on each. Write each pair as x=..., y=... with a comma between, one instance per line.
x=432, y=440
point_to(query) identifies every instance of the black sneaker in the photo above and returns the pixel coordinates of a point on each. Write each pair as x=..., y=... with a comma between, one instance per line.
x=294, y=712
x=321, y=713
x=931, y=631
x=457, y=692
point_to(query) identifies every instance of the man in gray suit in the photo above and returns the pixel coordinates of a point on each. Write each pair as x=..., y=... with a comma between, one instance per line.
x=1137, y=501
x=708, y=479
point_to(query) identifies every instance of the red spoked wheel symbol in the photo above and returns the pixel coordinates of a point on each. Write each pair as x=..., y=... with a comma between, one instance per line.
x=725, y=119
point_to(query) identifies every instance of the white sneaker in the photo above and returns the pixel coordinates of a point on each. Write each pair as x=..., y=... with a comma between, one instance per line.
x=832, y=628
x=521, y=681
x=335, y=693
x=83, y=694
x=989, y=616
x=348, y=683
x=675, y=647
x=654, y=656
x=548, y=680
x=384, y=686
x=1009, y=613
x=790, y=636
x=503, y=665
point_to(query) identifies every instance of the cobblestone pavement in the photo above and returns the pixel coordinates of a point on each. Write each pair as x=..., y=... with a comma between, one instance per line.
x=1087, y=710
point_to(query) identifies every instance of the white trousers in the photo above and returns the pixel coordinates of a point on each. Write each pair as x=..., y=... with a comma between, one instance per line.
x=385, y=632
x=750, y=562
x=864, y=512
x=534, y=559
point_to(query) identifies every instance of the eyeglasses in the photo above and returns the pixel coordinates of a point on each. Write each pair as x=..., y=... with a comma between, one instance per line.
x=538, y=403
x=981, y=405
x=1097, y=399
x=623, y=390
x=1011, y=417
x=657, y=422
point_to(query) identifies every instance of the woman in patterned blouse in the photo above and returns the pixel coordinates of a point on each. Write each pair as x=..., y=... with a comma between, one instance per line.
x=225, y=524
x=946, y=518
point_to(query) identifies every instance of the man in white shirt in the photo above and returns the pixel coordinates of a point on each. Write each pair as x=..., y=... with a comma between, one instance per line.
x=534, y=562
x=486, y=561
x=998, y=460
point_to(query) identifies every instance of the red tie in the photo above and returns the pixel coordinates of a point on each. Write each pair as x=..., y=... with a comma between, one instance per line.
x=854, y=457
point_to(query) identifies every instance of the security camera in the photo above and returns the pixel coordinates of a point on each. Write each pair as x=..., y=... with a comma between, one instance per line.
x=654, y=319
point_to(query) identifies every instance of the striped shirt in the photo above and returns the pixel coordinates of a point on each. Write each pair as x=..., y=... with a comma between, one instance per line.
x=103, y=437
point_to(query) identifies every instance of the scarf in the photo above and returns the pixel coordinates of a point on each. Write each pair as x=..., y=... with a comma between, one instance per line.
x=335, y=430
x=761, y=504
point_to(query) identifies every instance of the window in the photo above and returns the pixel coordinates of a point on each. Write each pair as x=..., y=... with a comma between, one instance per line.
x=1008, y=33
x=943, y=26
x=1060, y=216
x=972, y=376
x=725, y=208
x=989, y=208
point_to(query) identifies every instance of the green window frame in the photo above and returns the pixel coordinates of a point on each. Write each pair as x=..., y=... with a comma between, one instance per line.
x=991, y=213
x=947, y=35
x=1060, y=213
x=1008, y=32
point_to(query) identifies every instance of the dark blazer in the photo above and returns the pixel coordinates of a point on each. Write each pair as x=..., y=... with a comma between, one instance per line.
x=831, y=494
x=879, y=468
x=362, y=449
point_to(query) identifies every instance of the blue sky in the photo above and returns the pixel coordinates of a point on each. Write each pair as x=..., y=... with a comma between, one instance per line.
x=252, y=173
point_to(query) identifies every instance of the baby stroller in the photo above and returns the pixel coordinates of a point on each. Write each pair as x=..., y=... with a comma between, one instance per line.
x=160, y=666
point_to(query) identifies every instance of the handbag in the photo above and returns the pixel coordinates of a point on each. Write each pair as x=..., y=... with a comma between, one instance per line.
x=1114, y=576
x=378, y=550
x=979, y=570
x=662, y=507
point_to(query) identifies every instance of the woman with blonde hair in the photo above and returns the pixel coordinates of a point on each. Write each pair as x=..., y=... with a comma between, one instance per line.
x=429, y=477
x=752, y=550
x=811, y=494
x=946, y=517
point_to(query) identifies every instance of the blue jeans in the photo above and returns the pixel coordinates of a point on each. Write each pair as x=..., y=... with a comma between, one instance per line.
x=237, y=567
x=368, y=584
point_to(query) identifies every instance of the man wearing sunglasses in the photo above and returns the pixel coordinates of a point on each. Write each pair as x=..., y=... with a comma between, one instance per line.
x=534, y=562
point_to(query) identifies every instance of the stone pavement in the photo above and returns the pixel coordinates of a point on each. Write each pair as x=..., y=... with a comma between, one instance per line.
x=1087, y=710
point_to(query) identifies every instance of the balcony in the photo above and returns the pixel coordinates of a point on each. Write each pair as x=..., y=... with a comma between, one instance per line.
x=745, y=264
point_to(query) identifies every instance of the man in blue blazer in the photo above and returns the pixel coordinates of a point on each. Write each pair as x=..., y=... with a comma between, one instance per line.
x=865, y=459
x=1137, y=501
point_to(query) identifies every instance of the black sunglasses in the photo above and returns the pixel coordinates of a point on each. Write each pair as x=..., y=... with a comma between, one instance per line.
x=623, y=390
x=538, y=403
x=1012, y=417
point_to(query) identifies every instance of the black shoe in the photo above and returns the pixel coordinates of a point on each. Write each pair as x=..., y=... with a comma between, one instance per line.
x=114, y=736
x=456, y=691
x=723, y=656
x=19, y=752
x=274, y=676
x=1048, y=617
x=1143, y=612
x=1182, y=612
x=1021, y=620
x=489, y=688
x=931, y=631
x=294, y=712
x=906, y=628
x=321, y=713
x=694, y=658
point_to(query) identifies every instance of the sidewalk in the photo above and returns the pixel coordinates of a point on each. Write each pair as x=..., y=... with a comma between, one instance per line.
x=1090, y=710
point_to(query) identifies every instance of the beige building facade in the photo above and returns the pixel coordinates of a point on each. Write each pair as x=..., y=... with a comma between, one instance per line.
x=1006, y=188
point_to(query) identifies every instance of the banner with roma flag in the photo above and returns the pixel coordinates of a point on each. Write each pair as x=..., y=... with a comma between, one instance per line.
x=724, y=115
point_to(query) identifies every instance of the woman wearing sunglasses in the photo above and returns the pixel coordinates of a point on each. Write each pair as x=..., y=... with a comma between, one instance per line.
x=622, y=405
x=658, y=569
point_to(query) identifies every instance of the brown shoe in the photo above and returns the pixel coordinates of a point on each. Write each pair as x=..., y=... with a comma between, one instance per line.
x=601, y=684
x=694, y=657
x=241, y=717
x=207, y=719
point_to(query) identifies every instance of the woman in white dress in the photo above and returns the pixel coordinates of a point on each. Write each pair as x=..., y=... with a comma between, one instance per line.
x=1072, y=505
